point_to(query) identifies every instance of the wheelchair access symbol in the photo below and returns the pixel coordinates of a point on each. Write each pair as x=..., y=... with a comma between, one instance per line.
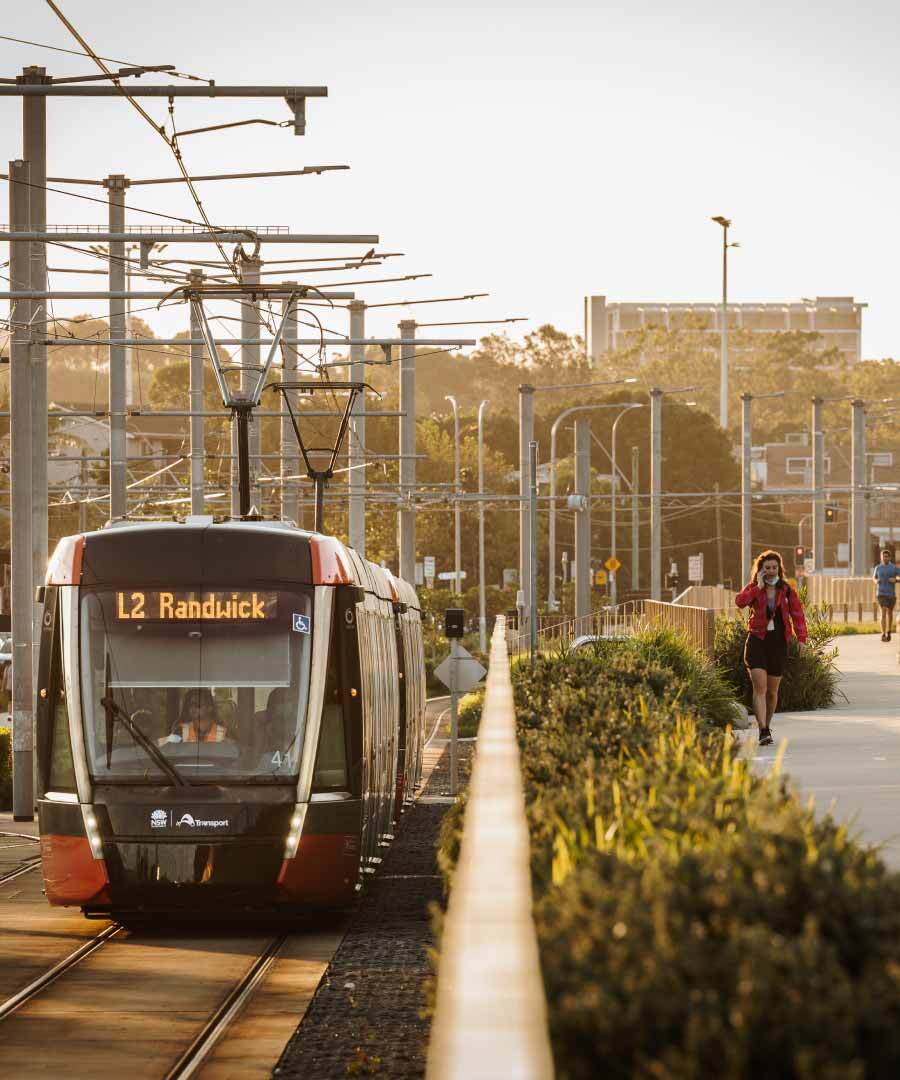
x=301, y=623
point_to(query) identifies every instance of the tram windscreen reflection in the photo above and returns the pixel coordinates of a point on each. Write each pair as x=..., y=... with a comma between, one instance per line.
x=222, y=698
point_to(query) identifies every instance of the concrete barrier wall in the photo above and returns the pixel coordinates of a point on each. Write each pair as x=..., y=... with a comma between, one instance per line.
x=491, y=1015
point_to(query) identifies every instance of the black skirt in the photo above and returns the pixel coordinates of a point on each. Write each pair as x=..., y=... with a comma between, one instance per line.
x=768, y=653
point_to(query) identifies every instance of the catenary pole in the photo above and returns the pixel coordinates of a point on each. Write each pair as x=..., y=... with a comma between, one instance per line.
x=196, y=398
x=818, y=483
x=407, y=515
x=457, y=559
x=859, y=545
x=21, y=453
x=746, y=479
x=482, y=607
x=116, y=186
x=251, y=326
x=655, y=493
x=34, y=151
x=635, y=520
x=356, y=438
x=526, y=436
x=532, y=566
x=290, y=453
x=583, y=517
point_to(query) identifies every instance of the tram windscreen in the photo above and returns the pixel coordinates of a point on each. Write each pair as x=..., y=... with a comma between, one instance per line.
x=216, y=679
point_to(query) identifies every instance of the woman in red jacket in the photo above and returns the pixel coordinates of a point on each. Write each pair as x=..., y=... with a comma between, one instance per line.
x=776, y=615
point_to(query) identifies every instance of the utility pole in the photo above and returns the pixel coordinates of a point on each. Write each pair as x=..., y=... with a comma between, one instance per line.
x=251, y=327
x=656, y=396
x=719, y=544
x=746, y=497
x=21, y=500
x=859, y=542
x=407, y=513
x=356, y=440
x=116, y=185
x=818, y=478
x=457, y=560
x=196, y=399
x=482, y=612
x=635, y=520
x=583, y=517
x=526, y=437
x=290, y=453
x=723, y=360
x=34, y=151
x=82, y=492
x=532, y=567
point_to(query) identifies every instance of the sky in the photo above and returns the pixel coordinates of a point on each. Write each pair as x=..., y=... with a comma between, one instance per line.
x=539, y=153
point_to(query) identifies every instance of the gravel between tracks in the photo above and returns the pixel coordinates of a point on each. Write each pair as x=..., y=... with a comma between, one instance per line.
x=367, y=1016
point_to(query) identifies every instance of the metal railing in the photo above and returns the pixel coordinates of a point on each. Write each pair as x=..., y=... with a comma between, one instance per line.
x=491, y=1013
x=696, y=624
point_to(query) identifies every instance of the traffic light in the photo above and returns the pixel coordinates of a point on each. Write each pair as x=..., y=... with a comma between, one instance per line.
x=799, y=555
x=831, y=513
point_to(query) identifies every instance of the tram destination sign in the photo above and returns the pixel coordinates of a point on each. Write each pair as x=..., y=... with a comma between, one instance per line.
x=196, y=606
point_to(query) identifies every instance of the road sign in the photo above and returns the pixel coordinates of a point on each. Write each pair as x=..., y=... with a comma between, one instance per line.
x=428, y=566
x=809, y=565
x=469, y=672
x=450, y=575
x=612, y=564
x=695, y=569
x=600, y=577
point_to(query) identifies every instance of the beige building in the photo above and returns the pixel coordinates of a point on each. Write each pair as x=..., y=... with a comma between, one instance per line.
x=838, y=319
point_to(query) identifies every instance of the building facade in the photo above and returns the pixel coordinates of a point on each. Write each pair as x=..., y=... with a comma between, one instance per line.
x=608, y=325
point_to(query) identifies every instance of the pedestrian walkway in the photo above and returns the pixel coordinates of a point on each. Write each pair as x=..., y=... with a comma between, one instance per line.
x=848, y=756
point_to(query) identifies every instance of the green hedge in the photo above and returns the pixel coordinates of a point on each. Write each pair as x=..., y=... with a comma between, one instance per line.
x=468, y=717
x=810, y=675
x=694, y=919
x=5, y=769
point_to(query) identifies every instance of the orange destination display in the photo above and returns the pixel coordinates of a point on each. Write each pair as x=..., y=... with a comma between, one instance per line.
x=196, y=606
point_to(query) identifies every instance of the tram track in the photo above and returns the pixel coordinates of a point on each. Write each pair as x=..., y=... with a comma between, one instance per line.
x=36, y=986
x=199, y=1050
x=30, y=863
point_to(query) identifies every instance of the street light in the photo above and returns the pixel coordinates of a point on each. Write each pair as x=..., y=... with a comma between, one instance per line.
x=723, y=361
x=456, y=508
x=482, y=615
x=551, y=530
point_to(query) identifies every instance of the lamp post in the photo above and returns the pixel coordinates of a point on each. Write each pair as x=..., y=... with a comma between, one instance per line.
x=615, y=478
x=482, y=614
x=456, y=509
x=723, y=361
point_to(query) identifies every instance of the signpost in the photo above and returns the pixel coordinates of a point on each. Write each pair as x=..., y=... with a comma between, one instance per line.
x=612, y=564
x=450, y=575
x=428, y=566
x=695, y=569
x=459, y=672
x=600, y=577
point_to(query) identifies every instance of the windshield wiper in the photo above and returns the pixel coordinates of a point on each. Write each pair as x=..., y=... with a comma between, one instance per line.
x=114, y=709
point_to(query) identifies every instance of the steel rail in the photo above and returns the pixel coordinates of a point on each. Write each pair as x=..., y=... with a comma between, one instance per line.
x=25, y=868
x=43, y=981
x=192, y=1059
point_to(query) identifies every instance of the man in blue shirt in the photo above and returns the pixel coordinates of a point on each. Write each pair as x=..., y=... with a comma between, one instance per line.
x=886, y=574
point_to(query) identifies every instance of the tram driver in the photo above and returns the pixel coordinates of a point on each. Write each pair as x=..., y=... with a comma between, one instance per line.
x=199, y=720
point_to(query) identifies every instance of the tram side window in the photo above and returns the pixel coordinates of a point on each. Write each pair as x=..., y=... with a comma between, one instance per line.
x=62, y=769
x=331, y=760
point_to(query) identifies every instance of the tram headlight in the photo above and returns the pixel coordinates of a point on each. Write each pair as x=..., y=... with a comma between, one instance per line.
x=92, y=828
x=295, y=831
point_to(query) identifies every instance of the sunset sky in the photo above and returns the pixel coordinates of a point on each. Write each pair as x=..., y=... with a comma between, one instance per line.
x=535, y=152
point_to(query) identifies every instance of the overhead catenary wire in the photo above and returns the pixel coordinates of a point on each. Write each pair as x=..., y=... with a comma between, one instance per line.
x=75, y=52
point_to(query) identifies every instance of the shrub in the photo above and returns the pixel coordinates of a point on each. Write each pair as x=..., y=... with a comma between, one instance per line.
x=468, y=716
x=694, y=919
x=5, y=769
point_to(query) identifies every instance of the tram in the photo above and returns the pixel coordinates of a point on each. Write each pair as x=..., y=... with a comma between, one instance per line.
x=230, y=718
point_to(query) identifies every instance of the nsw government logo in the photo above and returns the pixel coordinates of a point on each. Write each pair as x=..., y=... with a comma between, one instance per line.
x=159, y=819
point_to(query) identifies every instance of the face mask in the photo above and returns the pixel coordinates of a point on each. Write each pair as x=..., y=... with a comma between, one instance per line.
x=772, y=581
